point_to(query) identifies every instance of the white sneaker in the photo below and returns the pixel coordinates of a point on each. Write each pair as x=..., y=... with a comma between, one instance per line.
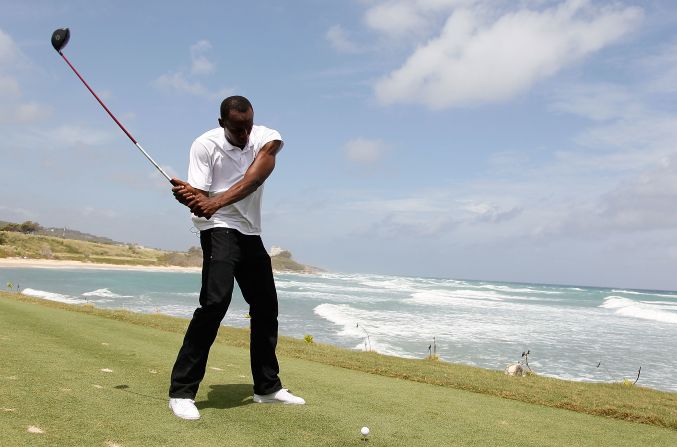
x=184, y=408
x=282, y=396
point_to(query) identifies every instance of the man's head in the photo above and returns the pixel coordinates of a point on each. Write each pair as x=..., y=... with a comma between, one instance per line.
x=237, y=120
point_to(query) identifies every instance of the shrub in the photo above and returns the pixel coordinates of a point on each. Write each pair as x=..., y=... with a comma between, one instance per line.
x=308, y=339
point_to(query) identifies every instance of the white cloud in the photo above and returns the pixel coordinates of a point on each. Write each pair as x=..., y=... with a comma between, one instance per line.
x=599, y=102
x=8, y=50
x=72, y=135
x=200, y=64
x=490, y=212
x=610, y=184
x=643, y=203
x=177, y=82
x=442, y=212
x=32, y=112
x=652, y=133
x=184, y=82
x=639, y=204
x=339, y=40
x=23, y=113
x=365, y=151
x=407, y=18
x=14, y=112
x=12, y=109
x=395, y=18
x=477, y=59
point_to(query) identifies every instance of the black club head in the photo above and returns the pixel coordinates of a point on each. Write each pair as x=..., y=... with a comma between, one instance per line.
x=60, y=38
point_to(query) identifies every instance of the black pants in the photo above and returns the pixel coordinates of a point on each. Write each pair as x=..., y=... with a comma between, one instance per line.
x=228, y=255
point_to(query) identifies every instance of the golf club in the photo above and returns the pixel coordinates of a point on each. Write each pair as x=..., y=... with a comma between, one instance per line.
x=60, y=38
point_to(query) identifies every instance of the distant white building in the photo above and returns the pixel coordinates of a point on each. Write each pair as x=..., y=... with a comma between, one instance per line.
x=279, y=251
x=275, y=250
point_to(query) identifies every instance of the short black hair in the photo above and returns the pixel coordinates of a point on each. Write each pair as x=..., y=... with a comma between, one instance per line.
x=237, y=103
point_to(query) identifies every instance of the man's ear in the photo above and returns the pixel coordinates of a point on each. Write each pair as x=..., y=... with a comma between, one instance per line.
x=221, y=123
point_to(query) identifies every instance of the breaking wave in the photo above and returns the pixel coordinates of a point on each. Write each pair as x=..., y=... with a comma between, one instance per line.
x=635, y=309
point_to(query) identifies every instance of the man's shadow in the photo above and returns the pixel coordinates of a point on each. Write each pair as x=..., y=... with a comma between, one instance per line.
x=227, y=396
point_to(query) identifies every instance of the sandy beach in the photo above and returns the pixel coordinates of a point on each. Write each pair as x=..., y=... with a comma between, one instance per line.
x=58, y=264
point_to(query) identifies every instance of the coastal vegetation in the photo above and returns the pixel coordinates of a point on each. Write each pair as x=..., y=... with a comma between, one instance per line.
x=80, y=375
x=32, y=241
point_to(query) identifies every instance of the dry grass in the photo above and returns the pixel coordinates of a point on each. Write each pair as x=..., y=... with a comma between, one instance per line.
x=49, y=247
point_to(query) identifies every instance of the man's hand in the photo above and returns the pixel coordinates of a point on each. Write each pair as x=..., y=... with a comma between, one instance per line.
x=183, y=192
x=203, y=206
x=197, y=200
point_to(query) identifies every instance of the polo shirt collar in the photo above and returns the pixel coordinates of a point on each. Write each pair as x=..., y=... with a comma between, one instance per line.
x=230, y=147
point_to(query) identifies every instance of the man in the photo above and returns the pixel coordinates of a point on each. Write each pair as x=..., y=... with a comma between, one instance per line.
x=227, y=168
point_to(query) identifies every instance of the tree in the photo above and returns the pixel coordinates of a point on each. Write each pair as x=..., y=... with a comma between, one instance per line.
x=12, y=227
x=29, y=227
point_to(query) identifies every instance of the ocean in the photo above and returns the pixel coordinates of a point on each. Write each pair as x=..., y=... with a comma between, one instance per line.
x=573, y=333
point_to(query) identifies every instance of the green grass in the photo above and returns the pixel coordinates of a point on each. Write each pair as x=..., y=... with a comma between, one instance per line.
x=51, y=377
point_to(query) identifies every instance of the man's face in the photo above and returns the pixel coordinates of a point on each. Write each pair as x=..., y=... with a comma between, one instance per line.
x=237, y=127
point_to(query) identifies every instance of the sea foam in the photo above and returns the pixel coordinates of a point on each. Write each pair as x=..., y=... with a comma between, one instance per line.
x=105, y=293
x=52, y=296
x=629, y=308
x=371, y=327
x=473, y=298
x=635, y=292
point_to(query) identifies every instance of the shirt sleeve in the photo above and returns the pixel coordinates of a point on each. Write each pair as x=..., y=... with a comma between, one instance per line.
x=199, y=167
x=268, y=135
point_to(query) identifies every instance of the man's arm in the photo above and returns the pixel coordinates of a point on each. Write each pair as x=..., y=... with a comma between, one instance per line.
x=203, y=206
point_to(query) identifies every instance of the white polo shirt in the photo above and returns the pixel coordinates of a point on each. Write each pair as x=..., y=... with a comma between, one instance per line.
x=216, y=165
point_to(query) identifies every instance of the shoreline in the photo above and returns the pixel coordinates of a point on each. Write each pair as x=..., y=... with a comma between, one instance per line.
x=63, y=264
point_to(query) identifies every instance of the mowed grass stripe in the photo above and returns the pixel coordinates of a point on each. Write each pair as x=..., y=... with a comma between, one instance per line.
x=51, y=376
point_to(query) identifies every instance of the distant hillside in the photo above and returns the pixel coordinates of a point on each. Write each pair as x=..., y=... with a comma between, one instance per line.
x=67, y=233
x=72, y=245
x=29, y=227
x=282, y=261
x=36, y=246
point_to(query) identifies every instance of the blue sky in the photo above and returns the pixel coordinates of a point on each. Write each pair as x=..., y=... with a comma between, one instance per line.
x=528, y=140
